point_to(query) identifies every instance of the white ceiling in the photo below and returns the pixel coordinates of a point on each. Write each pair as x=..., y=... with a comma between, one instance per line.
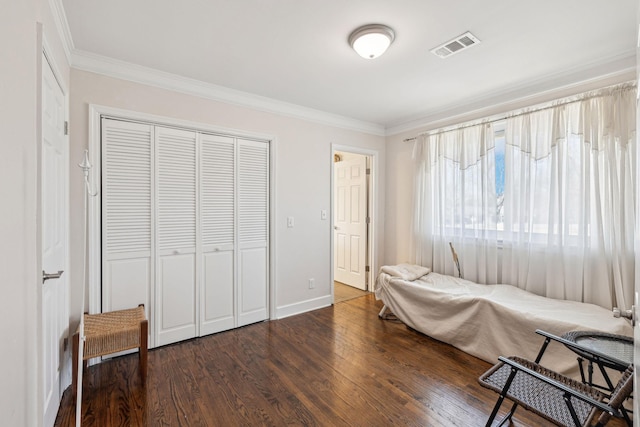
x=296, y=51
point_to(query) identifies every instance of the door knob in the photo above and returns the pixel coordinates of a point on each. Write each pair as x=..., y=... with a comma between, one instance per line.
x=335, y=227
x=46, y=276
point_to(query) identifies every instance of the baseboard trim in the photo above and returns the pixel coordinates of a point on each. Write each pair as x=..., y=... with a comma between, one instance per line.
x=303, y=307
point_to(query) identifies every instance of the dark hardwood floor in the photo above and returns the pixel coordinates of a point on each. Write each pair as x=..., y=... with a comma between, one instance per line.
x=338, y=366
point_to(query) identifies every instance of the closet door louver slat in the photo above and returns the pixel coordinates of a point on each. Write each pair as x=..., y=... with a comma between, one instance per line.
x=127, y=187
x=176, y=190
x=253, y=191
x=217, y=186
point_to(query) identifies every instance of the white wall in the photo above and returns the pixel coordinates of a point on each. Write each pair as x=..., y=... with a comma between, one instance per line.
x=20, y=52
x=18, y=212
x=399, y=193
x=303, y=166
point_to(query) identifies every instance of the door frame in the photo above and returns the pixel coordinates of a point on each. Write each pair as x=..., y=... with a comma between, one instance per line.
x=372, y=248
x=46, y=58
x=96, y=113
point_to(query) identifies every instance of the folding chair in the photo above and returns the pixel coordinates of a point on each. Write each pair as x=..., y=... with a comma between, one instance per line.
x=559, y=399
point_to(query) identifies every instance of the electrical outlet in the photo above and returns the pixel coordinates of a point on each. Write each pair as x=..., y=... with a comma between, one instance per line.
x=312, y=283
x=290, y=222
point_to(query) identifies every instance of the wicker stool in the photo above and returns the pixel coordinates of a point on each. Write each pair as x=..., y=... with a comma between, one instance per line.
x=111, y=332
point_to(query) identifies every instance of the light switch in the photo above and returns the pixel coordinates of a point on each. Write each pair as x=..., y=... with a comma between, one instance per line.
x=323, y=214
x=290, y=222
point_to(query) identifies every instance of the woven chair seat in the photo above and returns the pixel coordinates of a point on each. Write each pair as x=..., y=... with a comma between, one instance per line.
x=112, y=332
x=540, y=397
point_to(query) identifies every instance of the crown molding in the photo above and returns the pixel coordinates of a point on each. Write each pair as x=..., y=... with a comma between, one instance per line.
x=127, y=71
x=62, y=25
x=110, y=67
x=609, y=71
x=612, y=71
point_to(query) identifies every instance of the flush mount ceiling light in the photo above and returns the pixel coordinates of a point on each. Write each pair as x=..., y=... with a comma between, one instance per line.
x=371, y=41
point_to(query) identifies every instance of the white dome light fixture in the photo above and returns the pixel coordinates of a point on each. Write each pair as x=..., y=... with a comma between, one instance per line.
x=371, y=41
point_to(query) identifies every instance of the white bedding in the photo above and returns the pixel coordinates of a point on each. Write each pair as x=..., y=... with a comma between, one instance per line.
x=488, y=321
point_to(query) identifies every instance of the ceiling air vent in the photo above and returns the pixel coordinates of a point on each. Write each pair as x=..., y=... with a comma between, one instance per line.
x=456, y=45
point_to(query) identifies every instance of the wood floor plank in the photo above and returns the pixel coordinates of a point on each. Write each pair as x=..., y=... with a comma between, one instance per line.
x=338, y=366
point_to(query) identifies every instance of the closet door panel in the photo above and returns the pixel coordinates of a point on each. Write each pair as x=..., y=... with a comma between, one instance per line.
x=129, y=280
x=127, y=182
x=217, y=214
x=253, y=230
x=176, y=294
x=176, y=235
x=253, y=291
x=217, y=312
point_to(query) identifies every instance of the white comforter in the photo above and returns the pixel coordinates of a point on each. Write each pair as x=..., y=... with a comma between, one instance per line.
x=488, y=321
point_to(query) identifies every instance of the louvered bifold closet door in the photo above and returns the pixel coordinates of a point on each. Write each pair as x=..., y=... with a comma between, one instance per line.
x=253, y=231
x=176, y=235
x=126, y=170
x=217, y=214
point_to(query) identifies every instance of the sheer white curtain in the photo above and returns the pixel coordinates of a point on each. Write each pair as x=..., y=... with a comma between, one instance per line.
x=570, y=199
x=456, y=202
x=567, y=226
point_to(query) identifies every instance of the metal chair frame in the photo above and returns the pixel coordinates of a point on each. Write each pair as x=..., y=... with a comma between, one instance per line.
x=569, y=393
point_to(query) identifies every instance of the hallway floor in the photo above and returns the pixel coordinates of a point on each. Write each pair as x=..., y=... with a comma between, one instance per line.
x=342, y=292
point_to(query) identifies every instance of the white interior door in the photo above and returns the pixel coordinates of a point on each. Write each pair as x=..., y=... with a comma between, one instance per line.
x=127, y=205
x=217, y=213
x=253, y=231
x=350, y=222
x=176, y=297
x=55, y=299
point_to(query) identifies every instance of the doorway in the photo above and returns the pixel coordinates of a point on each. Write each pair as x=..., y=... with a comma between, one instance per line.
x=352, y=221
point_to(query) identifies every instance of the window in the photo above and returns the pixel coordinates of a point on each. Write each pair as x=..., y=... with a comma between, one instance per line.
x=553, y=188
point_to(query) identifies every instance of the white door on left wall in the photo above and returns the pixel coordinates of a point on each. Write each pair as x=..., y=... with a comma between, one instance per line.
x=55, y=296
